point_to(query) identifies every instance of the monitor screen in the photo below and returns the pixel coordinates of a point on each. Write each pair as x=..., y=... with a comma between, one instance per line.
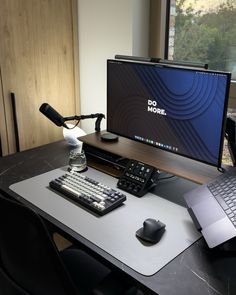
x=180, y=110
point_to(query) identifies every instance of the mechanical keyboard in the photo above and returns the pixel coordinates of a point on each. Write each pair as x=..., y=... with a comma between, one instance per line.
x=88, y=192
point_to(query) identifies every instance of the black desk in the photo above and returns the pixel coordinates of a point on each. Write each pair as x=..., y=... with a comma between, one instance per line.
x=197, y=270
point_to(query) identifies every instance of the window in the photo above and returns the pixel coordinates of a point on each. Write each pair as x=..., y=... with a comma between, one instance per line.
x=204, y=31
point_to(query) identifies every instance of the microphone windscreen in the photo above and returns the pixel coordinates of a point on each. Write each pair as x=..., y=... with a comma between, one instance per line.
x=52, y=114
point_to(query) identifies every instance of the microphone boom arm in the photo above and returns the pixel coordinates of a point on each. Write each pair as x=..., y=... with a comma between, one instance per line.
x=99, y=117
x=57, y=119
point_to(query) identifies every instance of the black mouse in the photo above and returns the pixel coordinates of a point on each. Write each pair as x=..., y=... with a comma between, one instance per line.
x=151, y=231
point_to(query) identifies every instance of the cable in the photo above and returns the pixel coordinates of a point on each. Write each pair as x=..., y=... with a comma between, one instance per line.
x=168, y=177
x=221, y=169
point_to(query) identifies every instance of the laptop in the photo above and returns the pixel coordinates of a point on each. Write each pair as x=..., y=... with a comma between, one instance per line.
x=212, y=207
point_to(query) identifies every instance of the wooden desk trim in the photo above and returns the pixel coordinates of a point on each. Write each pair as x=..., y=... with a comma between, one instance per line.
x=165, y=161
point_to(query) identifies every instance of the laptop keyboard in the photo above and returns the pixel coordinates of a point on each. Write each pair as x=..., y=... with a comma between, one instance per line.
x=224, y=191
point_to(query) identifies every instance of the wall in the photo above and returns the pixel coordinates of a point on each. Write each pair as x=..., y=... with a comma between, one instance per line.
x=140, y=33
x=106, y=28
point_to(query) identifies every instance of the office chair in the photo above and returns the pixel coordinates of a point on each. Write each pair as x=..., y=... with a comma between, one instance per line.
x=30, y=263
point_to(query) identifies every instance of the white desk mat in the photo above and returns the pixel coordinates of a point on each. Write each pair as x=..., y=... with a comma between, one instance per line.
x=115, y=231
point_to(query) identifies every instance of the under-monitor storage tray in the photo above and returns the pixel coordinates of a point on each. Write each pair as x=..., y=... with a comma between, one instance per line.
x=160, y=159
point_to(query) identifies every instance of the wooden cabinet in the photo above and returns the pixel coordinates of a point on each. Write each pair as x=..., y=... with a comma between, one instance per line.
x=38, y=63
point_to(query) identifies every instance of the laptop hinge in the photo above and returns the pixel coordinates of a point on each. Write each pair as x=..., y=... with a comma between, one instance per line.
x=195, y=221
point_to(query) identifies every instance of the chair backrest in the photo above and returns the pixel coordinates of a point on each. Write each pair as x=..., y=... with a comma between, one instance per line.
x=29, y=260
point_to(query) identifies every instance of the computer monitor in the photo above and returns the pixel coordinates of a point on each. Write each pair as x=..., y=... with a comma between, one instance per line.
x=180, y=110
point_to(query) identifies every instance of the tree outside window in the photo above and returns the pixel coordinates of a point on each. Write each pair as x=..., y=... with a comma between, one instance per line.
x=204, y=31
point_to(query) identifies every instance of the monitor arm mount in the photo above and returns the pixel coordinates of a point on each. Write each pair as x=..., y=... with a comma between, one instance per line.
x=57, y=119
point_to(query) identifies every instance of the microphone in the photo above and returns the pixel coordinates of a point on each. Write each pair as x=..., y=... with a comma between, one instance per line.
x=52, y=115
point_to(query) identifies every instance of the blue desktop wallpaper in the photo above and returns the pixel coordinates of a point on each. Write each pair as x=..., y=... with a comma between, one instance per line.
x=175, y=109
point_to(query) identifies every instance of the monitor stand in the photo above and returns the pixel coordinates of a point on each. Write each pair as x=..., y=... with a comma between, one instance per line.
x=164, y=161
